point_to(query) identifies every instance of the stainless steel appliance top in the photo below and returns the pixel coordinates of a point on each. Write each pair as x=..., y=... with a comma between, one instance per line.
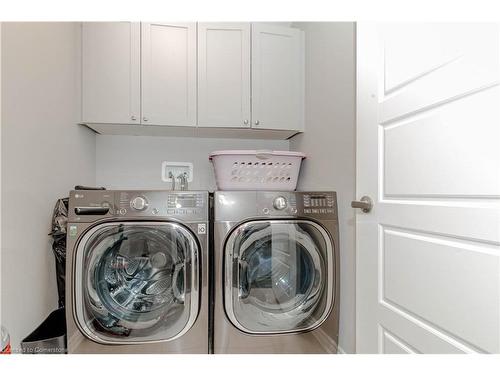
x=240, y=205
x=92, y=205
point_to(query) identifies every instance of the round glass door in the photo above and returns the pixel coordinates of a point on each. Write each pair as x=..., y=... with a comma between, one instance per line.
x=278, y=276
x=136, y=282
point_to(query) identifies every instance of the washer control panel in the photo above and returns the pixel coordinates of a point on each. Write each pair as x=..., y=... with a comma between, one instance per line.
x=188, y=205
x=87, y=206
x=139, y=203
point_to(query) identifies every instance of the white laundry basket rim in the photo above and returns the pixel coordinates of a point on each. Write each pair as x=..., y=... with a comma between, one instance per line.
x=256, y=169
x=257, y=153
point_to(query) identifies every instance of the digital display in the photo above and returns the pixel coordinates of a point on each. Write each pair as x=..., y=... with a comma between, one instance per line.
x=184, y=201
x=318, y=200
x=318, y=196
x=187, y=202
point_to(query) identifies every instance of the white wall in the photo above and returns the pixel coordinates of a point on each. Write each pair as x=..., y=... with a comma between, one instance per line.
x=130, y=162
x=329, y=141
x=44, y=154
x=0, y=173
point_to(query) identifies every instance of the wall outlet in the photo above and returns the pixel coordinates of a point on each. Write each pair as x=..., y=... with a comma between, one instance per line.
x=177, y=168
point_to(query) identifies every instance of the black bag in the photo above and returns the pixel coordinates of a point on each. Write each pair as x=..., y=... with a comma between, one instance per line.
x=59, y=224
x=58, y=233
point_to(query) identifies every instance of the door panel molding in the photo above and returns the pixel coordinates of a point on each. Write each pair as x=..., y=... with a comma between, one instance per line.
x=429, y=329
x=386, y=337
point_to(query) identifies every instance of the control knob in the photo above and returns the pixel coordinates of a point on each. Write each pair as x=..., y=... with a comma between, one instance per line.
x=139, y=203
x=280, y=203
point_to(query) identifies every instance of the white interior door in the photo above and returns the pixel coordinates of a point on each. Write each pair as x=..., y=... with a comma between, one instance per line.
x=224, y=74
x=277, y=77
x=428, y=154
x=169, y=74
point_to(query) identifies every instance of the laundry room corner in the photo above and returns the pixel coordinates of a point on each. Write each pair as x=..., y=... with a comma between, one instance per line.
x=40, y=104
x=329, y=142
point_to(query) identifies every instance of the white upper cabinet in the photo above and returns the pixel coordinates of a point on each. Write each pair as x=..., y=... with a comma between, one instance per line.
x=224, y=74
x=111, y=72
x=277, y=77
x=230, y=76
x=169, y=74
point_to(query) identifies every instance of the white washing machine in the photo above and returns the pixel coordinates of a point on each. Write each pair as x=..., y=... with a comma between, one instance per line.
x=276, y=272
x=137, y=272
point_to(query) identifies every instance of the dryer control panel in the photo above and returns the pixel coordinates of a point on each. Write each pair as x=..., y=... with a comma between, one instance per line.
x=320, y=205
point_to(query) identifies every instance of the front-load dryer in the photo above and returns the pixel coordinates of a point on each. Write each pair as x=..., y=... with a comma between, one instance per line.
x=137, y=272
x=276, y=272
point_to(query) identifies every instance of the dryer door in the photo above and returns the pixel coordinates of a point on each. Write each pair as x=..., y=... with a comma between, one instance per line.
x=136, y=282
x=278, y=276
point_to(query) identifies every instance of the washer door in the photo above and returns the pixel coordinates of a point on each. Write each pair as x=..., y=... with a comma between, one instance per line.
x=136, y=282
x=278, y=276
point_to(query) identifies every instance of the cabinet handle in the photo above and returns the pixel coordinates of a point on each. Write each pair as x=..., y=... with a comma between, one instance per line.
x=257, y=122
x=133, y=118
x=245, y=122
x=144, y=119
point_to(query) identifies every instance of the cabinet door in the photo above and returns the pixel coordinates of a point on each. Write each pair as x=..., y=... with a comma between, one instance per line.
x=169, y=74
x=224, y=74
x=277, y=77
x=111, y=72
